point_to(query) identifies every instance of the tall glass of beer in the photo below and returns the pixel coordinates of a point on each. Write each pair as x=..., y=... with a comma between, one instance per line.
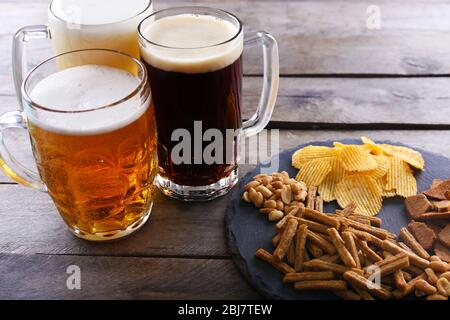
x=194, y=58
x=93, y=133
x=84, y=24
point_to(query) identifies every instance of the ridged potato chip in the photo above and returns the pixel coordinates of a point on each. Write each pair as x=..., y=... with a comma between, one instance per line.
x=356, y=158
x=361, y=174
x=328, y=185
x=314, y=172
x=309, y=153
x=361, y=190
x=400, y=178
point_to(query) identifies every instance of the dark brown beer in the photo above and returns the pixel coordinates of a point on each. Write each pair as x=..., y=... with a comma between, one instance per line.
x=180, y=99
x=194, y=64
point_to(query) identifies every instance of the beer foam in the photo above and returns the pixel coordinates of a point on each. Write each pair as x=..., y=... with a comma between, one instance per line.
x=190, y=43
x=97, y=12
x=84, y=88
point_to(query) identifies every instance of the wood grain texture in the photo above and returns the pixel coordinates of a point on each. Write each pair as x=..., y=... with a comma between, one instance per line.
x=30, y=223
x=44, y=277
x=317, y=37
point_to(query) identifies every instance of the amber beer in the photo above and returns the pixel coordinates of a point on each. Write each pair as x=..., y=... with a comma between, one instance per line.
x=98, y=166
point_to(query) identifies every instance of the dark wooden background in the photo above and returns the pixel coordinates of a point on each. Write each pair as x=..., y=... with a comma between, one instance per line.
x=339, y=80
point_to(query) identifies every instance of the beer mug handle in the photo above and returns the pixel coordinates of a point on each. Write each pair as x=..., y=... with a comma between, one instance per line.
x=19, y=62
x=270, y=83
x=8, y=163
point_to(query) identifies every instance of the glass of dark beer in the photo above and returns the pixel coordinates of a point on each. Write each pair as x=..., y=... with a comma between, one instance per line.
x=194, y=60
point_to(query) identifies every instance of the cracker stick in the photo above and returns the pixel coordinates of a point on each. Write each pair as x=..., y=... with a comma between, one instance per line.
x=347, y=295
x=404, y=246
x=413, y=258
x=321, y=218
x=400, y=262
x=321, y=285
x=276, y=239
x=318, y=204
x=343, y=252
x=412, y=243
x=303, y=276
x=280, y=224
x=360, y=219
x=351, y=246
x=280, y=266
x=362, y=283
x=365, y=236
x=314, y=250
x=370, y=254
x=374, y=221
x=286, y=238
x=399, y=280
x=327, y=266
x=300, y=241
x=313, y=226
x=312, y=191
x=321, y=242
x=290, y=254
x=366, y=296
x=333, y=259
x=348, y=210
x=377, y=232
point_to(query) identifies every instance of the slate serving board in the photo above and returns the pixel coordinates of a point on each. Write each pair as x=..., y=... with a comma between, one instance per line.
x=248, y=230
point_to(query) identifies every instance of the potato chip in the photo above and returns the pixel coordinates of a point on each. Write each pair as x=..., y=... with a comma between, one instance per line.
x=356, y=158
x=374, y=148
x=400, y=178
x=309, y=153
x=381, y=183
x=408, y=155
x=314, y=172
x=383, y=165
x=361, y=190
x=328, y=185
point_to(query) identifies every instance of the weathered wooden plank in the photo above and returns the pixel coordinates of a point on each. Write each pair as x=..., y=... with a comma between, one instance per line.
x=44, y=277
x=320, y=37
x=345, y=100
x=30, y=224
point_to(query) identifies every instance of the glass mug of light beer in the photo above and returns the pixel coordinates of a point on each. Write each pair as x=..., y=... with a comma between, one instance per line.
x=84, y=24
x=93, y=135
x=194, y=60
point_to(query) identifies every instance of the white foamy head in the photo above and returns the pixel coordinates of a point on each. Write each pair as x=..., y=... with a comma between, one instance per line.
x=97, y=12
x=84, y=88
x=191, y=43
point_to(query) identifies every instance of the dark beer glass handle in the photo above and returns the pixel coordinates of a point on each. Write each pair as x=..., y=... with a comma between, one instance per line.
x=270, y=85
x=8, y=163
x=19, y=61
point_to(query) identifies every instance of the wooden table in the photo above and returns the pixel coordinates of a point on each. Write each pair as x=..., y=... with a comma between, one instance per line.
x=339, y=80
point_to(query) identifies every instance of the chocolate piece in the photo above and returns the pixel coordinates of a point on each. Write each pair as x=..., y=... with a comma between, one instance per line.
x=442, y=252
x=433, y=216
x=441, y=206
x=417, y=205
x=444, y=236
x=423, y=234
x=438, y=191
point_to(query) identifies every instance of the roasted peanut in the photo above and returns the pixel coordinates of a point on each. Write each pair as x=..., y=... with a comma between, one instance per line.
x=437, y=297
x=432, y=277
x=438, y=266
x=253, y=184
x=446, y=275
x=245, y=197
x=277, y=184
x=443, y=286
x=265, y=192
x=266, y=210
x=270, y=204
x=276, y=215
x=286, y=194
x=425, y=287
x=266, y=180
x=280, y=205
